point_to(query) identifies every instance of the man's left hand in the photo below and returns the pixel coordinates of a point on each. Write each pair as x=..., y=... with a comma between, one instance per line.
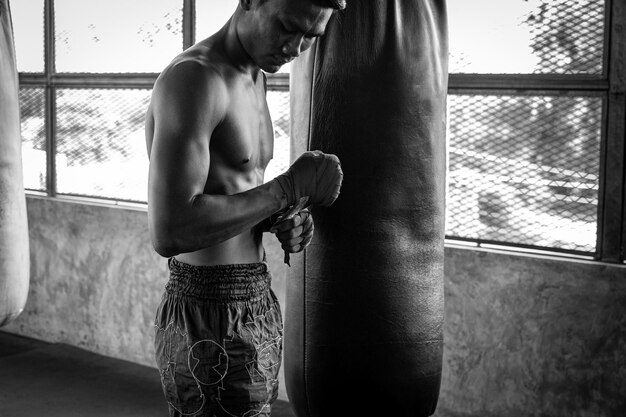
x=295, y=233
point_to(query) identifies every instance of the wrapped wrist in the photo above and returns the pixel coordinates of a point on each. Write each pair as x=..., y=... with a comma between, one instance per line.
x=286, y=186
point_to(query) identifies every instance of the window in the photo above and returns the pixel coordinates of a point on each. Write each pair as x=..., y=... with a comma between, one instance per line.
x=531, y=124
x=85, y=84
x=536, y=110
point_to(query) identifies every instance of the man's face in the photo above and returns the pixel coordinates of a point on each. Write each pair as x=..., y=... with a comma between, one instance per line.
x=277, y=31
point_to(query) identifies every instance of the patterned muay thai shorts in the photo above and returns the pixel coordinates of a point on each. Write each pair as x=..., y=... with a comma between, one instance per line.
x=218, y=340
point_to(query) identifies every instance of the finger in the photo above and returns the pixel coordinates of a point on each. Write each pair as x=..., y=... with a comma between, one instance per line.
x=298, y=220
x=292, y=249
x=287, y=224
x=306, y=241
x=282, y=226
x=295, y=248
x=307, y=223
x=305, y=216
x=290, y=234
x=307, y=228
x=308, y=234
x=307, y=220
x=292, y=242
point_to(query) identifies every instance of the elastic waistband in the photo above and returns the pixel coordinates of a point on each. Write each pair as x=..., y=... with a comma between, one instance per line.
x=224, y=283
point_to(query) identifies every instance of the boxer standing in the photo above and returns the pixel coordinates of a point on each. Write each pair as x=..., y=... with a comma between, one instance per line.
x=209, y=137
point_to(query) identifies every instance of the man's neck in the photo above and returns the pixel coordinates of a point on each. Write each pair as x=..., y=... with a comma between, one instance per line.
x=235, y=49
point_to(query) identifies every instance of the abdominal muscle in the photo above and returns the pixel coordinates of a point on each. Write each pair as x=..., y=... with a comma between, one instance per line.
x=244, y=248
x=241, y=249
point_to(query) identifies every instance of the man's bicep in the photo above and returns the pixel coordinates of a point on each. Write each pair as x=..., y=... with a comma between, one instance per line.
x=186, y=112
x=179, y=166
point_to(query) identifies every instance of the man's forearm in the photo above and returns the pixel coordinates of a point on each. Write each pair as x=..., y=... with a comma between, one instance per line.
x=267, y=223
x=211, y=219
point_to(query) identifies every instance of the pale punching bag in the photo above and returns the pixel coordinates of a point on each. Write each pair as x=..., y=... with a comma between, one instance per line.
x=364, y=312
x=14, y=246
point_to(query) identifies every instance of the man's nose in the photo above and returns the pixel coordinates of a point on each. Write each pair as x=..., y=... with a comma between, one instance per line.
x=293, y=47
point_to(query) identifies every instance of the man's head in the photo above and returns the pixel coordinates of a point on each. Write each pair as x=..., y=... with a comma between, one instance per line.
x=333, y=4
x=274, y=32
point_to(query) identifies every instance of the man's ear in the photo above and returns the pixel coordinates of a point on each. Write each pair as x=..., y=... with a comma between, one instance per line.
x=245, y=4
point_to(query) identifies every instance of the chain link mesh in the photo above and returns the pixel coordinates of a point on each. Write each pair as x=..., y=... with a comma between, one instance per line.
x=568, y=36
x=33, y=127
x=524, y=170
x=101, y=149
x=527, y=36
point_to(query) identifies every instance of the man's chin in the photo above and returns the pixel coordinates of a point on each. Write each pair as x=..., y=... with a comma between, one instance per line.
x=271, y=68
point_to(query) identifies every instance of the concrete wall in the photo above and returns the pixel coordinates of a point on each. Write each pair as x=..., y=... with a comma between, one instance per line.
x=96, y=281
x=525, y=335
x=533, y=336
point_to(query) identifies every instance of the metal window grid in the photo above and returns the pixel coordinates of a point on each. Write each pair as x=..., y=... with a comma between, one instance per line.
x=610, y=86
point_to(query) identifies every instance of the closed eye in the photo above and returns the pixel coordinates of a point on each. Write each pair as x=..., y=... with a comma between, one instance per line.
x=287, y=30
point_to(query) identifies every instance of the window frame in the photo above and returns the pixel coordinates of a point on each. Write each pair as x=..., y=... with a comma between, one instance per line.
x=50, y=81
x=611, y=86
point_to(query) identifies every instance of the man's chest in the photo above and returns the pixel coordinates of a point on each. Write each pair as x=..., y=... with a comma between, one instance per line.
x=245, y=138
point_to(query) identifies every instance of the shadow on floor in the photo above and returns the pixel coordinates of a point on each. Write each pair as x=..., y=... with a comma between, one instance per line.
x=58, y=380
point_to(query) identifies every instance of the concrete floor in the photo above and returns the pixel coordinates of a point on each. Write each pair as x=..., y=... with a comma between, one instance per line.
x=58, y=380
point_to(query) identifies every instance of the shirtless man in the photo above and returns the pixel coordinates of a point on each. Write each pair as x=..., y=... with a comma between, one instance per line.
x=209, y=135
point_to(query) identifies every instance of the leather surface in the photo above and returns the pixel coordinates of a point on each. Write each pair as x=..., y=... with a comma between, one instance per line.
x=365, y=305
x=14, y=248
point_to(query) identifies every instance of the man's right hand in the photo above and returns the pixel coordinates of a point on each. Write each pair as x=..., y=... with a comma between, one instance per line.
x=314, y=174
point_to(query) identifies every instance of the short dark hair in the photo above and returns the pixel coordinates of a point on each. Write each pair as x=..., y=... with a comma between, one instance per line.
x=333, y=4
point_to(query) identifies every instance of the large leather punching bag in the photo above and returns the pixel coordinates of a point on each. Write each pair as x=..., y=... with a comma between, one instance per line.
x=365, y=310
x=14, y=247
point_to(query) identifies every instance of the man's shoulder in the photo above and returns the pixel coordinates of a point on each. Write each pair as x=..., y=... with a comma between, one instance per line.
x=193, y=65
x=188, y=84
x=190, y=73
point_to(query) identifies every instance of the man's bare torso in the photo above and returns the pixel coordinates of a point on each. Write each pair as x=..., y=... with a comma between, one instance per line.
x=240, y=148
